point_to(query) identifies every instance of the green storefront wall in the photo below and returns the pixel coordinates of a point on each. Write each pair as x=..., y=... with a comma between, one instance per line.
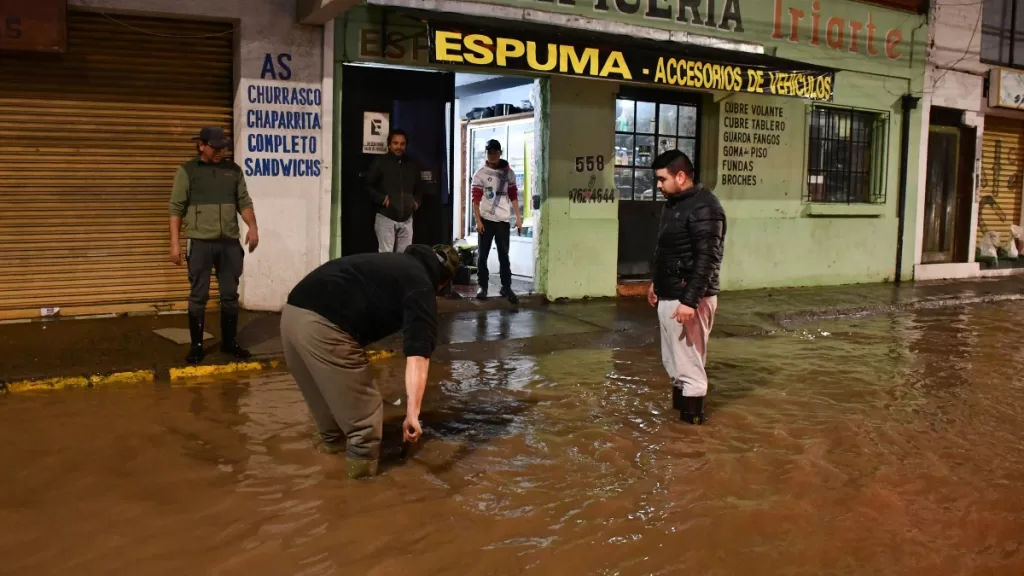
x=776, y=237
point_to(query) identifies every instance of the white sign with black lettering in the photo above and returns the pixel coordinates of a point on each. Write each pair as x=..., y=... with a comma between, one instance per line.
x=375, y=132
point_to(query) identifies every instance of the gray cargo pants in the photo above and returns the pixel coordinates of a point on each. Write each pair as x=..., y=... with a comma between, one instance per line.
x=392, y=236
x=226, y=256
x=334, y=376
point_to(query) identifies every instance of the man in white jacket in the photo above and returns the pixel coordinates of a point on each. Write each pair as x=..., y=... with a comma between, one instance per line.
x=495, y=199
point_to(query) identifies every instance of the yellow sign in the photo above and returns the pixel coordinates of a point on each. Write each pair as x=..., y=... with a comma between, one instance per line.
x=481, y=50
x=516, y=53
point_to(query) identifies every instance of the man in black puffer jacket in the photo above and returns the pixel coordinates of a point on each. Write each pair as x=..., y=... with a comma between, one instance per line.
x=691, y=243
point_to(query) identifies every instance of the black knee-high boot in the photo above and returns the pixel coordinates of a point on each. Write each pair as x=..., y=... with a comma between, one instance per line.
x=228, y=332
x=195, y=331
x=692, y=411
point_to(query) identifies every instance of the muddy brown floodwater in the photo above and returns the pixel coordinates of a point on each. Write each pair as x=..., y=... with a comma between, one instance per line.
x=879, y=445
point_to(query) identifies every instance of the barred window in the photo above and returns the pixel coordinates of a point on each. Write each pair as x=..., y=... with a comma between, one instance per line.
x=847, y=156
x=1002, y=33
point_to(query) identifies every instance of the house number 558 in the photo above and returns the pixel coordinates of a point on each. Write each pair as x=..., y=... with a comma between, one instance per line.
x=589, y=163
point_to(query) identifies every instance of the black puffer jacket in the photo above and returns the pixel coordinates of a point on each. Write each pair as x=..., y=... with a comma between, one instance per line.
x=691, y=244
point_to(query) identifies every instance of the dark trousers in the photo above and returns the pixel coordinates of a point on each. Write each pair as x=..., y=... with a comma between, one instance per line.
x=225, y=256
x=497, y=232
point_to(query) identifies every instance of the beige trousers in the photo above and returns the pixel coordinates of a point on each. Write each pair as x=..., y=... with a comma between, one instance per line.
x=334, y=376
x=684, y=346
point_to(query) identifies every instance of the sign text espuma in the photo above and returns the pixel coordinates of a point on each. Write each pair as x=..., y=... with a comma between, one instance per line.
x=454, y=47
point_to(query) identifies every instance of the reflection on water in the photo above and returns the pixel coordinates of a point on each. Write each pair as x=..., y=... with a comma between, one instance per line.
x=888, y=445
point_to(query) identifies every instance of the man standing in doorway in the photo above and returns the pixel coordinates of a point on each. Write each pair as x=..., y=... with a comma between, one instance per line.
x=395, y=183
x=208, y=191
x=691, y=243
x=495, y=198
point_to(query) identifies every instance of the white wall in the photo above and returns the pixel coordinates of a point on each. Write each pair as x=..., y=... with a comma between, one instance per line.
x=293, y=212
x=955, y=28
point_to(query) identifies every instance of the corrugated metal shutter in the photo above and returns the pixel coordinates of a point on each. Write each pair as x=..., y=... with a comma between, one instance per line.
x=89, y=143
x=1002, y=176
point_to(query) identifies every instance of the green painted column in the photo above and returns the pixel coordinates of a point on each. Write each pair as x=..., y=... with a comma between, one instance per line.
x=336, y=160
x=341, y=39
x=578, y=251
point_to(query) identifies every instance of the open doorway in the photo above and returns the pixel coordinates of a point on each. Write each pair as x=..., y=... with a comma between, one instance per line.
x=949, y=188
x=502, y=108
x=376, y=99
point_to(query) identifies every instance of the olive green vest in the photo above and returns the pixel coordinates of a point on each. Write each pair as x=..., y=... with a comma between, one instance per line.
x=212, y=200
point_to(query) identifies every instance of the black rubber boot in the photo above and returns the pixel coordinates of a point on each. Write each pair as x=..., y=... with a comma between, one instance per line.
x=677, y=397
x=693, y=410
x=482, y=294
x=195, y=331
x=228, y=331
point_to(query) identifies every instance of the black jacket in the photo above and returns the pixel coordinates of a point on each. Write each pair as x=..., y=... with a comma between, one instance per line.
x=371, y=296
x=399, y=179
x=691, y=243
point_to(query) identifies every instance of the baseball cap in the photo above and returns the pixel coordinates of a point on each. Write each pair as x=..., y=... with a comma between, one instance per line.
x=493, y=146
x=441, y=261
x=449, y=259
x=214, y=137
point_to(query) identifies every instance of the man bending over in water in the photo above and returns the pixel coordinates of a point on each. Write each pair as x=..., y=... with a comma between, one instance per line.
x=344, y=306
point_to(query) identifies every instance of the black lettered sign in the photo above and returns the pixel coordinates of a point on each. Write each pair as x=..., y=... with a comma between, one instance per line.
x=666, y=64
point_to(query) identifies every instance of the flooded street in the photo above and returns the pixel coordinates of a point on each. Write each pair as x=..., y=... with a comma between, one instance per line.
x=888, y=444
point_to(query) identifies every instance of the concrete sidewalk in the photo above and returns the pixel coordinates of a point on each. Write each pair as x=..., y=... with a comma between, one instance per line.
x=65, y=352
x=69, y=352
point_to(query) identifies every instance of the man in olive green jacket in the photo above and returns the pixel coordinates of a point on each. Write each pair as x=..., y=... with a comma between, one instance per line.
x=208, y=191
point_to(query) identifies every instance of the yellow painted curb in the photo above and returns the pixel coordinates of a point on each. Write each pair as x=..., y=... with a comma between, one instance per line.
x=65, y=382
x=124, y=378
x=375, y=355
x=213, y=370
x=217, y=369
x=48, y=384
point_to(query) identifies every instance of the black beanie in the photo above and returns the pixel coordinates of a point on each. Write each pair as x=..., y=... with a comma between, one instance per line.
x=426, y=255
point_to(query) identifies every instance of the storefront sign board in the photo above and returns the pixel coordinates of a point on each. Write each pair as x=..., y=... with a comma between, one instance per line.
x=526, y=51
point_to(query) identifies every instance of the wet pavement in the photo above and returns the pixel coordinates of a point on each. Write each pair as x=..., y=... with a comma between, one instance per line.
x=53, y=348
x=881, y=444
x=49, y=349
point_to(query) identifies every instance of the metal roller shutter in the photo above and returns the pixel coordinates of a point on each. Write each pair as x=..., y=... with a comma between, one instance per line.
x=1002, y=176
x=89, y=144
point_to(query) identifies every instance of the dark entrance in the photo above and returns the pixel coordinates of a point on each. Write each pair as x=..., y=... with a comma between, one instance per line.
x=949, y=188
x=648, y=123
x=419, y=102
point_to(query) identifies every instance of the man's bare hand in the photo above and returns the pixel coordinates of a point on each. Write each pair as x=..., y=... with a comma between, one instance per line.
x=176, y=254
x=252, y=239
x=411, y=430
x=387, y=201
x=652, y=298
x=684, y=314
x=480, y=226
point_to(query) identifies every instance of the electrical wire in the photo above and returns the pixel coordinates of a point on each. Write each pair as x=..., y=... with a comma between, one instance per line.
x=99, y=11
x=967, y=52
